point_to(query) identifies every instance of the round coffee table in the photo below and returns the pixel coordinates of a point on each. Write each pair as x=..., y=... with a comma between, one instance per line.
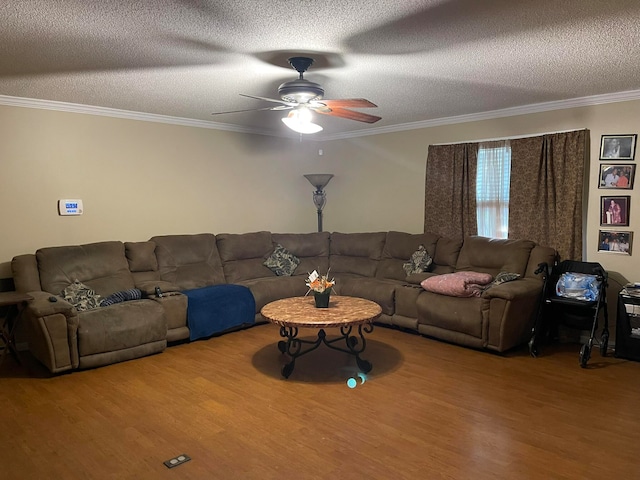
x=343, y=312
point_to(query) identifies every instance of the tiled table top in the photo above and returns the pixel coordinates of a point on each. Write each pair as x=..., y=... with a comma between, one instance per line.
x=302, y=312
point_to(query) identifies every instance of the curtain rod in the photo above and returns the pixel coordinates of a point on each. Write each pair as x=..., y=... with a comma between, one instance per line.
x=515, y=137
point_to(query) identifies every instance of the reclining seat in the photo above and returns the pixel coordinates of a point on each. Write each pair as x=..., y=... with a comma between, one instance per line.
x=189, y=261
x=192, y=264
x=243, y=257
x=62, y=337
x=146, y=274
x=354, y=260
x=494, y=320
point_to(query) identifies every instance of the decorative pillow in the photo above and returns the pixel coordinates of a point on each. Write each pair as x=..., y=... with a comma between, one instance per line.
x=504, y=277
x=282, y=262
x=419, y=262
x=81, y=296
x=123, y=296
x=141, y=256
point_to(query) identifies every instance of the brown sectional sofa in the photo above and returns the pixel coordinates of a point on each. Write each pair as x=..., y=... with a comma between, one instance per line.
x=63, y=338
x=368, y=265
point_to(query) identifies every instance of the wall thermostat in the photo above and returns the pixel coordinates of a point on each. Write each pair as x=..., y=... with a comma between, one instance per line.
x=70, y=206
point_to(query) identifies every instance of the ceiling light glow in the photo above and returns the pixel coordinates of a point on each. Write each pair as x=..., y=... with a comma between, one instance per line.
x=299, y=121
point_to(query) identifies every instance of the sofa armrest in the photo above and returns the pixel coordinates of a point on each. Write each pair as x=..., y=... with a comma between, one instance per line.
x=52, y=331
x=510, y=310
x=523, y=287
x=42, y=306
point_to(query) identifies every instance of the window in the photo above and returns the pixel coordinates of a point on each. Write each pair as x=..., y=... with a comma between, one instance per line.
x=492, y=189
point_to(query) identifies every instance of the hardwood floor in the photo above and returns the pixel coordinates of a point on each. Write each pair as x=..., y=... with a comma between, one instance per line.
x=427, y=410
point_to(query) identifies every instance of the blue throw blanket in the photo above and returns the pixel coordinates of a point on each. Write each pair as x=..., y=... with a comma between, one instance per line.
x=217, y=308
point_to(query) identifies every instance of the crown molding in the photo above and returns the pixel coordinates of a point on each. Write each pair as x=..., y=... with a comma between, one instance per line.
x=493, y=114
x=126, y=114
x=436, y=122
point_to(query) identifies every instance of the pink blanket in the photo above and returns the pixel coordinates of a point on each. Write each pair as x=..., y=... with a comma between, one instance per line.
x=458, y=284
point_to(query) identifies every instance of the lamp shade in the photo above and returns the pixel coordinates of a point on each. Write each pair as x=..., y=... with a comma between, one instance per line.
x=299, y=120
x=319, y=180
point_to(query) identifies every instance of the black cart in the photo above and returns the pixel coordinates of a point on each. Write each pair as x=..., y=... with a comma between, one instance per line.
x=628, y=326
x=555, y=309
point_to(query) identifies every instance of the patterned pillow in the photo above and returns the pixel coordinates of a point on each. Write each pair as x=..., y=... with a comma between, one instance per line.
x=81, y=296
x=504, y=277
x=282, y=262
x=123, y=296
x=419, y=262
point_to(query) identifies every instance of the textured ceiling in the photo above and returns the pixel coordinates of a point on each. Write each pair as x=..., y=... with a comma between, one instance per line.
x=417, y=60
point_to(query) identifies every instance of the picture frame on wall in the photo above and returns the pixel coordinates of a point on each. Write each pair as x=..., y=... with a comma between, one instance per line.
x=617, y=175
x=614, y=211
x=610, y=241
x=618, y=147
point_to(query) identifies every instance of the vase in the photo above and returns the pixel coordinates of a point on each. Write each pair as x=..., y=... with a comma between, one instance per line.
x=322, y=299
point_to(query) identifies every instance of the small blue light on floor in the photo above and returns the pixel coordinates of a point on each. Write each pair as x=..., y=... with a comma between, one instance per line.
x=351, y=383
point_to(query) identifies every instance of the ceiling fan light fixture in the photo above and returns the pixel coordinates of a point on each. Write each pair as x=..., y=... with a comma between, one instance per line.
x=300, y=121
x=300, y=91
x=302, y=96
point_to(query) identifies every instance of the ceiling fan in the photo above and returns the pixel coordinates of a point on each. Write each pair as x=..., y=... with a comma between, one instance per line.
x=302, y=96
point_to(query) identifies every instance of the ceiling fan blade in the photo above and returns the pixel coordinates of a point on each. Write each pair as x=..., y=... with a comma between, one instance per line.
x=281, y=107
x=290, y=104
x=348, y=103
x=349, y=114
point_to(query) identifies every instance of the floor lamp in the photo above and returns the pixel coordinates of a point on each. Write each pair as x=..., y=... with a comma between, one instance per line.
x=319, y=180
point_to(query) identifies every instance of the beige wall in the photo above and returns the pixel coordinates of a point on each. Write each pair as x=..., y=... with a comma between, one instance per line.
x=140, y=179
x=401, y=206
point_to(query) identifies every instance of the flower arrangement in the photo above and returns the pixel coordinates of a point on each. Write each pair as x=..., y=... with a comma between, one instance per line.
x=319, y=283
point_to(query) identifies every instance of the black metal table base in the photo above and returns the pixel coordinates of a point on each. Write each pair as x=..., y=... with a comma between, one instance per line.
x=353, y=344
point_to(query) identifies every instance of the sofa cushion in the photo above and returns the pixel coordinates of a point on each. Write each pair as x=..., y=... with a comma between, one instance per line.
x=356, y=253
x=419, y=262
x=121, y=326
x=446, y=255
x=102, y=266
x=189, y=261
x=398, y=248
x=268, y=289
x=243, y=246
x=141, y=256
x=123, y=296
x=377, y=290
x=243, y=254
x=311, y=248
x=492, y=255
x=452, y=314
x=81, y=296
x=281, y=261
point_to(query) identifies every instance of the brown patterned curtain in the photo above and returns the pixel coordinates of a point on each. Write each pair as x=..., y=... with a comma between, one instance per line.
x=546, y=194
x=450, y=193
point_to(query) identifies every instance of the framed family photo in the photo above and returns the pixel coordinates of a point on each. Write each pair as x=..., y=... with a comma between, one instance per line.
x=620, y=147
x=614, y=211
x=617, y=175
x=615, y=242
